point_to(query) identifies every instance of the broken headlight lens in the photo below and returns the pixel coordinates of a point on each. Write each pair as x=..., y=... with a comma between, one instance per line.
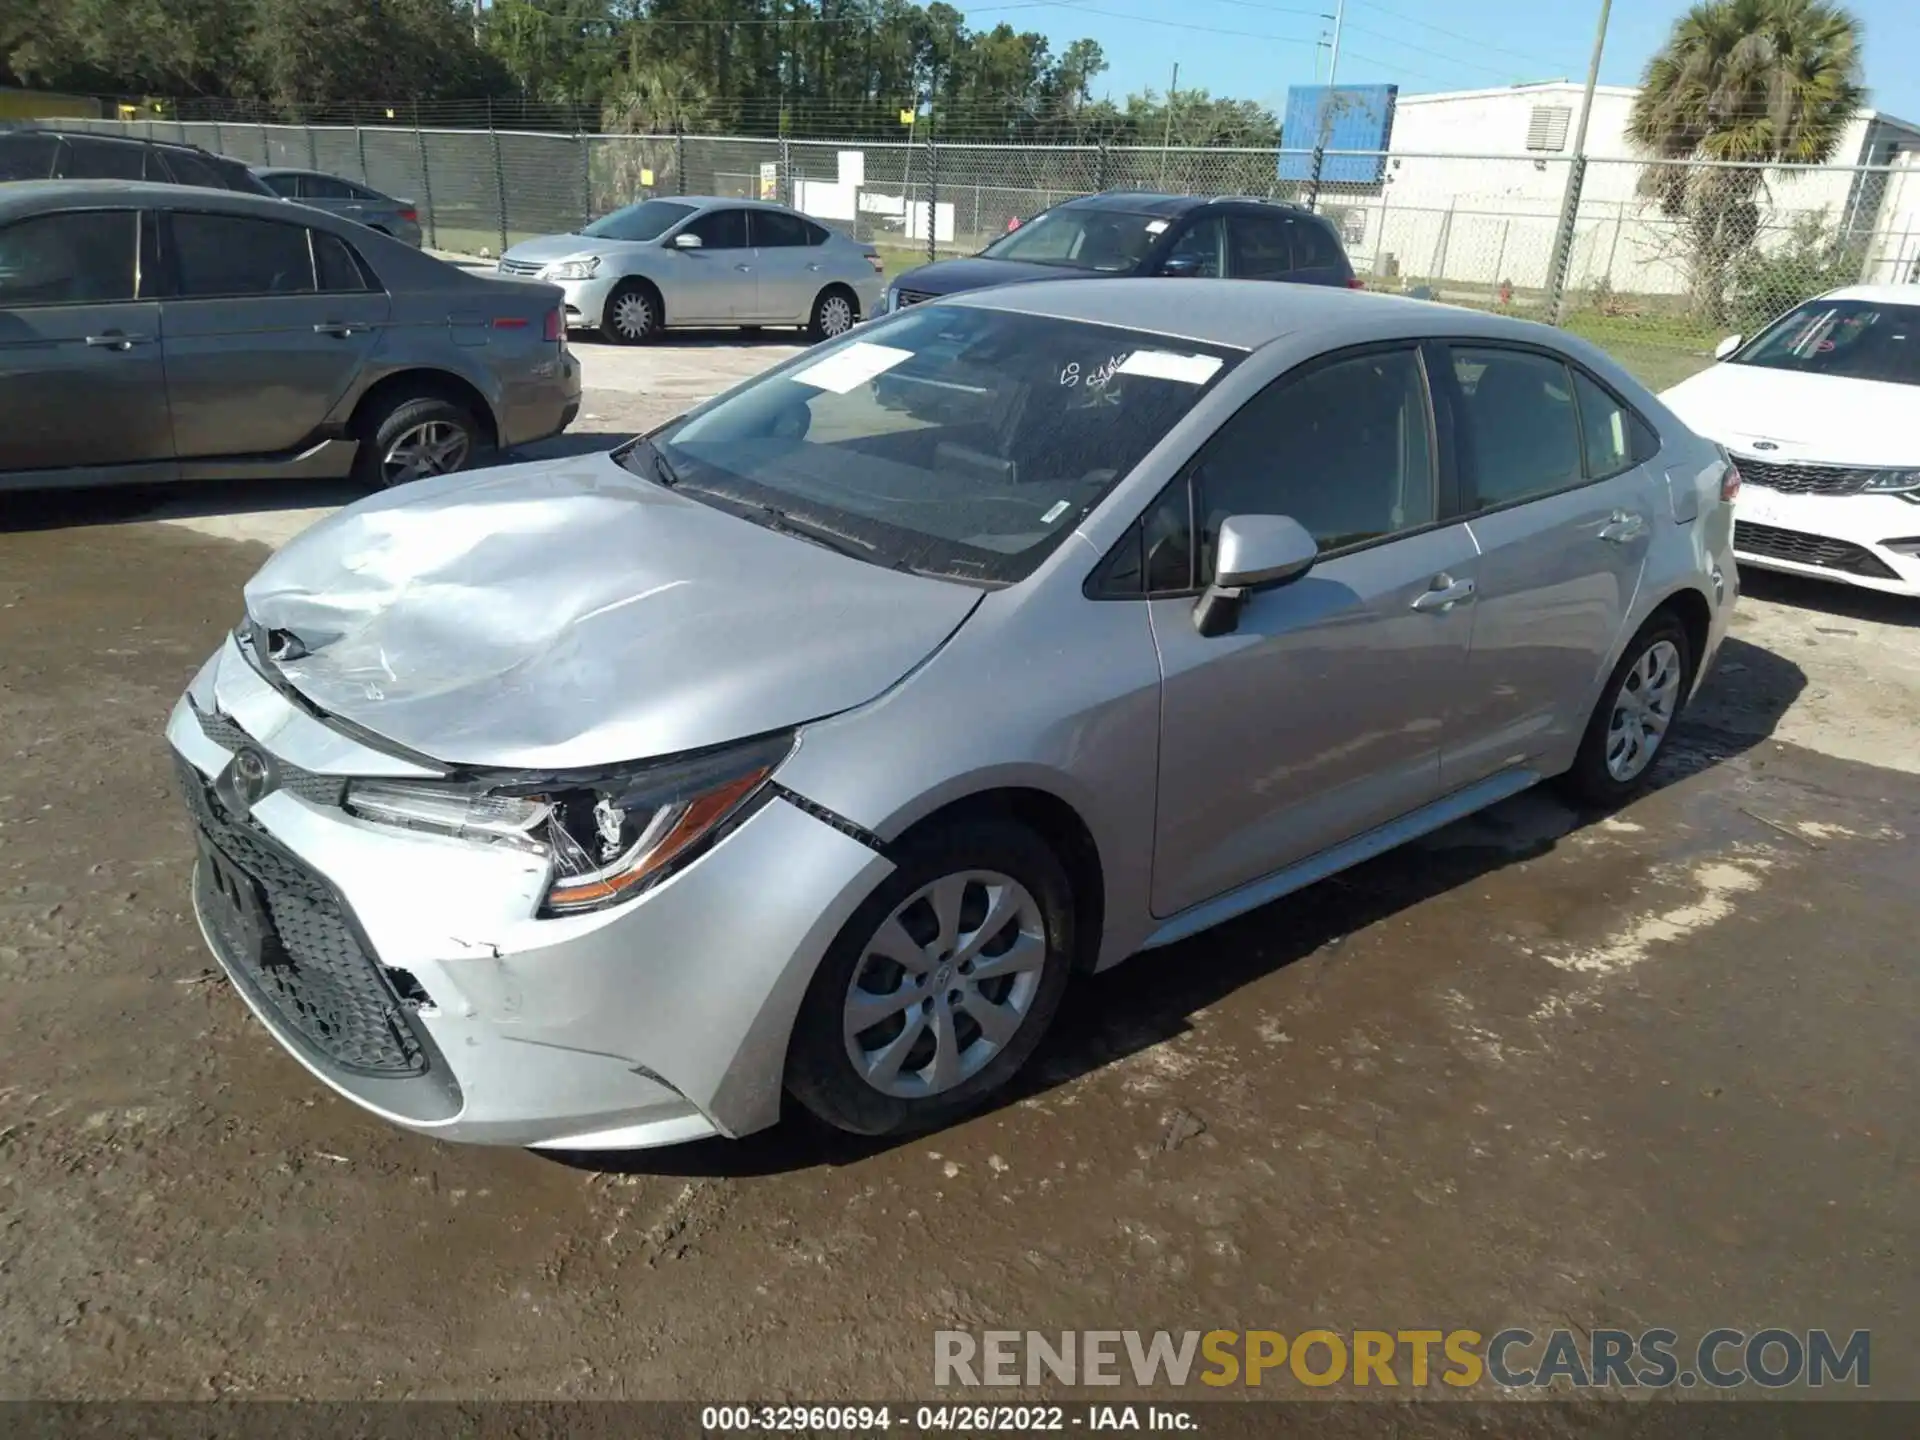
x=609, y=835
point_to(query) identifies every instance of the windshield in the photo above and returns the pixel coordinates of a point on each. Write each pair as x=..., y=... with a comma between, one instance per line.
x=954, y=441
x=1086, y=239
x=1853, y=339
x=645, y=221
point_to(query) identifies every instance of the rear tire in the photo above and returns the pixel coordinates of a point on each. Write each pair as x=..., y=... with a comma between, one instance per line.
x=957, y=963
x=633, y=314
x=1637, y=710
x=411, y=437
x=834, y=313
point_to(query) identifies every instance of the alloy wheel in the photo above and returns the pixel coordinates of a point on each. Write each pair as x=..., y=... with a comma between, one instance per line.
x=1643, y=708
x=433, y=447
x=944, y=984
x=836, y=316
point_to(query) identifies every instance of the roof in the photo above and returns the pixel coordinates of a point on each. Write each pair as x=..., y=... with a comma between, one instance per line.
x=1247, y=314
x=33, y=197
x=1878, y=294
x=66, y=132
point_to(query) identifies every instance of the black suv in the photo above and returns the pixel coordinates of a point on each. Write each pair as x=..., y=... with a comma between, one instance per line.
x=1122, y=232
x=40, y=154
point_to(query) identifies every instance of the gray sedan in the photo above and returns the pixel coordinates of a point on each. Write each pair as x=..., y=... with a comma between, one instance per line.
x=346, y=198
x=153, y=333
x=811, y=744
x=702, y=261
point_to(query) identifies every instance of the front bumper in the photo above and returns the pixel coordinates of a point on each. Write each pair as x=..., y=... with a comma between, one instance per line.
x=1831, y=537
x=587, y=299
x=660, y=1021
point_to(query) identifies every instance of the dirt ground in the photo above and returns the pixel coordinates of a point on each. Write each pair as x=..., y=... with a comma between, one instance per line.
x=1653, y=1069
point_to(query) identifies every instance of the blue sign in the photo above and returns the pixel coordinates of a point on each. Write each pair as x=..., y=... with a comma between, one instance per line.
x=1340, y=117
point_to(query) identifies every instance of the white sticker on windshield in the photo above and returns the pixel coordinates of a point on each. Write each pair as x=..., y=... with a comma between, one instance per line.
x=855, y=365
x=1054, y=513
x=1165, y=365
x=1154, y=227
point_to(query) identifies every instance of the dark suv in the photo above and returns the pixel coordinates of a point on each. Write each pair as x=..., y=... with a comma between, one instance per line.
x=40, y=154
x=1135, y=233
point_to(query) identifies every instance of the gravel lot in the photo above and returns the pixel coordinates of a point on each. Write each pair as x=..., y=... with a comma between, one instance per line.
x=1544, y=1069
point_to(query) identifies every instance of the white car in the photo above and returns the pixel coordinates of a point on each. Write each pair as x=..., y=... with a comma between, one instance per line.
x=1821, y=412
x=704, y=261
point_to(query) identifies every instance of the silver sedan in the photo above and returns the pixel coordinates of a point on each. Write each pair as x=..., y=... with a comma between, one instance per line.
x=810, y=745
x=703, y=261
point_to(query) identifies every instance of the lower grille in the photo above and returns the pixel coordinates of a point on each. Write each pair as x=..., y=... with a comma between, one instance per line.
x=905, y=298
x=1802, y=479
x=1772, y=543
x=311, y=970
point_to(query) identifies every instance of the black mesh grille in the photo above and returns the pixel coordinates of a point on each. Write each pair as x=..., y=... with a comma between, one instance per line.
x=311, y=971
x=1802, y=479
x=912, y=297
x=1772, y=543
x=314, y=788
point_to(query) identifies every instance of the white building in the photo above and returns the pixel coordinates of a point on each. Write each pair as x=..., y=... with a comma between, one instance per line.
x=1457, y=203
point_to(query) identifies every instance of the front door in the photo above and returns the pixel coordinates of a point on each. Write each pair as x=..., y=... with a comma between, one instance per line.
x=268, y=325
x=1322, y=714
x=716, y=283
x=81, y=385
x=1563, y=512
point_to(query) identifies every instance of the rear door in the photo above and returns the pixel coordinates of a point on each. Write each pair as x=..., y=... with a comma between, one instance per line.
x=717, y=283
x=80, y=372
x=267, y=325
x=1563, y=513
x=789, y=272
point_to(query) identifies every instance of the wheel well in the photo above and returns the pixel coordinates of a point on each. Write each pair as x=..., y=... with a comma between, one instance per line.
x=416, y=384
x=853, y=300
x=1060, y=826
x=1690, y=608
x=381, y=230
x=641, y=282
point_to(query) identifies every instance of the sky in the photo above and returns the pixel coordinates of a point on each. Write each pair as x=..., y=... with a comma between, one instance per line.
x=1255, y=49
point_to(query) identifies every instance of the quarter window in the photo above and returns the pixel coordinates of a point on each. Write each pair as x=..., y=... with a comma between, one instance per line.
x=1314, y=245
x=83, y=257
x=189, y=169
x=338, y=269
x=238, y=255
x=1345, y=449
x=1518, y=415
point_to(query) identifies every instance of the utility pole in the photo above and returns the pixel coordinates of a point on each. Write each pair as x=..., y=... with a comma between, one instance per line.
x=1166, y=135
x=1562, y=258
x=1333, y=61
x=1328, y=109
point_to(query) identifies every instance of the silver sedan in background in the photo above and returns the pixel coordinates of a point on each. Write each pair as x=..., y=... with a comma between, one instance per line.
x=703, y=261
x=348, y=199
x=809, y=745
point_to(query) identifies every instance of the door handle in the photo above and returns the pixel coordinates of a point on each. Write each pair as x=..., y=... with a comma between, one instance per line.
x=118, y=340
x=339, y=329
x=811, y=265
x=1444, y=593
x=1622, y=527
x=744, y=269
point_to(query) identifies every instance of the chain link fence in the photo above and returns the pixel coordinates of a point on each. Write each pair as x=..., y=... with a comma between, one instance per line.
x=1655, y=261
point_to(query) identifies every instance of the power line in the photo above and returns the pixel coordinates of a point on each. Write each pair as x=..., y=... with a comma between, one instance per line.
x=1456, y=35
x=1182, y=25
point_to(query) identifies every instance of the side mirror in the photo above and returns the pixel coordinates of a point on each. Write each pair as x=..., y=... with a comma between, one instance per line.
x=687, y=240
x=1255, y=552
x=1183, y=266
x=1726, y=347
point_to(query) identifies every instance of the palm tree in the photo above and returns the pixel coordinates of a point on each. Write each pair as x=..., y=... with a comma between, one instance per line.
x=652, y=99
x=1754, y=81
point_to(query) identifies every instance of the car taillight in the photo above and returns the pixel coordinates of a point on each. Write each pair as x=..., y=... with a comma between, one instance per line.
x=410, y=215
x=556, y=326
x=1356, y=283
x=879, y=265
x=1729, y=482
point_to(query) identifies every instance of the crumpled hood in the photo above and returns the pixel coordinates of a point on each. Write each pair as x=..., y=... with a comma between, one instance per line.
x=1818, y=418
x=567, y=613
x=547, y=249
x=951, y=277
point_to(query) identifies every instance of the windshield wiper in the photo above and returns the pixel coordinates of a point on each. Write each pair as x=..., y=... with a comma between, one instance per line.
x=663, y=470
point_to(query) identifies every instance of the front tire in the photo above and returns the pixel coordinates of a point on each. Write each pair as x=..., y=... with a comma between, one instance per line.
x=833, y=314
x=1637, y=710
x=413, y=437
x=940, y=986
x=632, y=315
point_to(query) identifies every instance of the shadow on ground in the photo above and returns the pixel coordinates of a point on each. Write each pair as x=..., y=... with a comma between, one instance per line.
x=1844, y=601
x=1152, y=997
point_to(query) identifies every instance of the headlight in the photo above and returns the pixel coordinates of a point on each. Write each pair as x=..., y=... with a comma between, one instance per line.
x=609, y=835
x=889, y=302
x=572, y=269
x=1894, y=481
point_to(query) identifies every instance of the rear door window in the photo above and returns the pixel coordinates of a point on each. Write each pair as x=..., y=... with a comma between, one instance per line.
x=87, y=158
x=776, y=228
x=81, y=257
x=218, y=255
x=1523, y=439
x=325, y=187
x=1261, y=250
x=189, y=169
x=287, y=186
